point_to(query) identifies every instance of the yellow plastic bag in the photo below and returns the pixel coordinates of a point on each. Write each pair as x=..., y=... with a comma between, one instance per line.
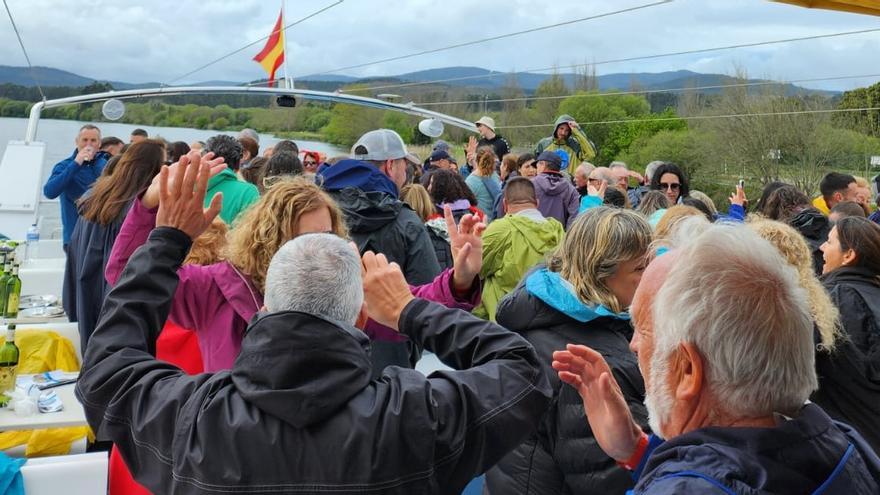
x=39, y=351
x=44, y=350
x=46, y=442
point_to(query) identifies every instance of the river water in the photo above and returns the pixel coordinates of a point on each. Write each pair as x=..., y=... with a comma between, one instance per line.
x=59, y=136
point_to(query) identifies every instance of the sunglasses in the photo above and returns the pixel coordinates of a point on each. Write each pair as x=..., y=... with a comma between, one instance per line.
x=310, y=164
x=670, y=187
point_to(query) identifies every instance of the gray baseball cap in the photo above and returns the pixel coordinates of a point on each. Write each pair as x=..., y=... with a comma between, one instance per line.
x=379, y=145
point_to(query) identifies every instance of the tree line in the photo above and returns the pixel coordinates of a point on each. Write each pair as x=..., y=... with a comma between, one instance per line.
x=761, y=136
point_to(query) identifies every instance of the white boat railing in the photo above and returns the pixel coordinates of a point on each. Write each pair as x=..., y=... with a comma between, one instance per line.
x=408, y=108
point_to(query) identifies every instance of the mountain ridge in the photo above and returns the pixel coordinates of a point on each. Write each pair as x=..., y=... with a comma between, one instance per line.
x=461, y=76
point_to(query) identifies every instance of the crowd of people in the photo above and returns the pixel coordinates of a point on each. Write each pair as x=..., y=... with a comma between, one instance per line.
x=250, y=321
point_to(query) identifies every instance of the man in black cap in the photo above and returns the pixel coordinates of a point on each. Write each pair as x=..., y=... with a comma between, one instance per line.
x=557, y=196
x=439, y=160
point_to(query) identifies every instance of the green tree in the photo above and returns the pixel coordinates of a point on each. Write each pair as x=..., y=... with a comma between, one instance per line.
x=865, y=121
x=220, y=123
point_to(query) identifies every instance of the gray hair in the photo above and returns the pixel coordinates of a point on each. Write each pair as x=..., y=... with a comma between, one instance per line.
x=651, y=168
x=732, y=295
x=88, y=127
x=604, y=173
x=617, y=164
x=585, y=168
x=318, y=274
x=250, y=133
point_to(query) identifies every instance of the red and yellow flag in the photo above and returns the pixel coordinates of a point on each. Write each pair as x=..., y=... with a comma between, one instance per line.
x=272, y=55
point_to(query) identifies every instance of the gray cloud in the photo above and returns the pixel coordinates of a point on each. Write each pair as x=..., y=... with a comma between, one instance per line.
x=159, y=40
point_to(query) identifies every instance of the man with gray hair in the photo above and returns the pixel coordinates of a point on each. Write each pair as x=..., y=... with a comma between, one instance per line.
x=249, y=133
x=724, y=340
x=581, y=177
x=298, y=412
x=74, y=175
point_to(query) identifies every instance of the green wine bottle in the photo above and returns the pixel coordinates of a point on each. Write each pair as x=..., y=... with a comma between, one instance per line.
x=13, y=293
x=7, y=272
x=8, y=363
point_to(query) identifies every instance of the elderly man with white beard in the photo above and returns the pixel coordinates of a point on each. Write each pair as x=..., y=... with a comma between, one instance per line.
x=724, y=340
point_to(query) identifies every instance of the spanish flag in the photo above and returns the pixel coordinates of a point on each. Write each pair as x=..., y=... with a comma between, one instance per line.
x=272, y=55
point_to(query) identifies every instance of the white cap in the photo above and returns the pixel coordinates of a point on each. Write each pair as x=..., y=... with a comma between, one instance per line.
x=487, y=121
x=379, y=145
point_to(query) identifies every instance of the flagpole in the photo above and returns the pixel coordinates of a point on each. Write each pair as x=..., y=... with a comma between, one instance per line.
x=287, y=82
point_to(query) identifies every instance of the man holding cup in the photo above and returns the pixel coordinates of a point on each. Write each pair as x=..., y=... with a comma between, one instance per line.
x=74, y=175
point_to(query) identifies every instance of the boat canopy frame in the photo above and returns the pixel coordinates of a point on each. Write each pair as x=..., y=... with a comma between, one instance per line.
x=305, y=94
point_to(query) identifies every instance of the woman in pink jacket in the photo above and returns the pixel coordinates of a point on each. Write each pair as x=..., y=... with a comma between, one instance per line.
x=219, y=300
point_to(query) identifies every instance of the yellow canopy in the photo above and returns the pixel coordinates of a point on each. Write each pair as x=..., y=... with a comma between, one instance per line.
x=870, y=7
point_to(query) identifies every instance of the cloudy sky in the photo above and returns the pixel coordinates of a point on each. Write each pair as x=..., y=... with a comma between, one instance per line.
x=158, y=40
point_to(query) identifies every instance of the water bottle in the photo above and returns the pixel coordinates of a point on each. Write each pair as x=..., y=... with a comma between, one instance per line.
x=33, y=243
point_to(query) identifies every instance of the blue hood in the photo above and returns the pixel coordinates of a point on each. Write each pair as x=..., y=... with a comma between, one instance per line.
x=559, y=294
x=356, y=174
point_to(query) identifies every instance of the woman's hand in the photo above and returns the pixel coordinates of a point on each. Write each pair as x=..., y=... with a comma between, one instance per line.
x=216, y=165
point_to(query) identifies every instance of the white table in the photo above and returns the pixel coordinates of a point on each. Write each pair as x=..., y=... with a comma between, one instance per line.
x=71, y=415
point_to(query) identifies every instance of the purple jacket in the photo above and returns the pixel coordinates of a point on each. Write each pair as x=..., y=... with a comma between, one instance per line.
x=557, y=197
x=218, y=301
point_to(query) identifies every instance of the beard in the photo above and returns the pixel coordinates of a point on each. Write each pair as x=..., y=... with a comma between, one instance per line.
x=658, y=399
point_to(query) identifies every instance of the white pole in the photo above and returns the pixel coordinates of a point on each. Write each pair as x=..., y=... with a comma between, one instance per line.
x=287, y=82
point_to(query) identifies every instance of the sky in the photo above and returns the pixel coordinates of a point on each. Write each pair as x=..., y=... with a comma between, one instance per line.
x=159, y=40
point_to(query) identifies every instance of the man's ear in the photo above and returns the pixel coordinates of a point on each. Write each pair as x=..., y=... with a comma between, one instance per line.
x=687, y=372
x=362, y=317
x=504, y=206
x=387, y=167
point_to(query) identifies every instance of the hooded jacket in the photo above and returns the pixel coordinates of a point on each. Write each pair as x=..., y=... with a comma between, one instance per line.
x=68, y=182
x=557, y=197
x=849, y=377
x=562, y=457
x=237, y=194
x=298, y=412
x=378, y=221
x=511, y=247
x=809, y=454
x=217, y=301
x=577, y=146
x=814, y=226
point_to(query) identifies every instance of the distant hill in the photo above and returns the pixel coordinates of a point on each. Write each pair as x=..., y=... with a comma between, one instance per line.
x=471, y=77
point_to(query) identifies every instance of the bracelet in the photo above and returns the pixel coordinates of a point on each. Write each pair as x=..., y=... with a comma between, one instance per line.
x=633, y=462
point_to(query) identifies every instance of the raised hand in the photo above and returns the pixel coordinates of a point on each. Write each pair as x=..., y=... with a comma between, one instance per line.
x=182, y=197
x=386, y=292
x=598, y=191
x=739, y=197
x=606, y=410
x=471, y=150
x=84, y=155
x=466, y=243
x=217, y=165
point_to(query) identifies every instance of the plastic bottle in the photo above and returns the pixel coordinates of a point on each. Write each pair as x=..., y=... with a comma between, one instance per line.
x=33, y=243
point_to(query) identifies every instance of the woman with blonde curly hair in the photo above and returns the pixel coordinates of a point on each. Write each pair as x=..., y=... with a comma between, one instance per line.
x=218, y=300
x=795, y=250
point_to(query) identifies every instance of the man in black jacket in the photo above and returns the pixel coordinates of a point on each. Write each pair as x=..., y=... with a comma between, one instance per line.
x=367, y=188
x=298, y=412
x=488, y=137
